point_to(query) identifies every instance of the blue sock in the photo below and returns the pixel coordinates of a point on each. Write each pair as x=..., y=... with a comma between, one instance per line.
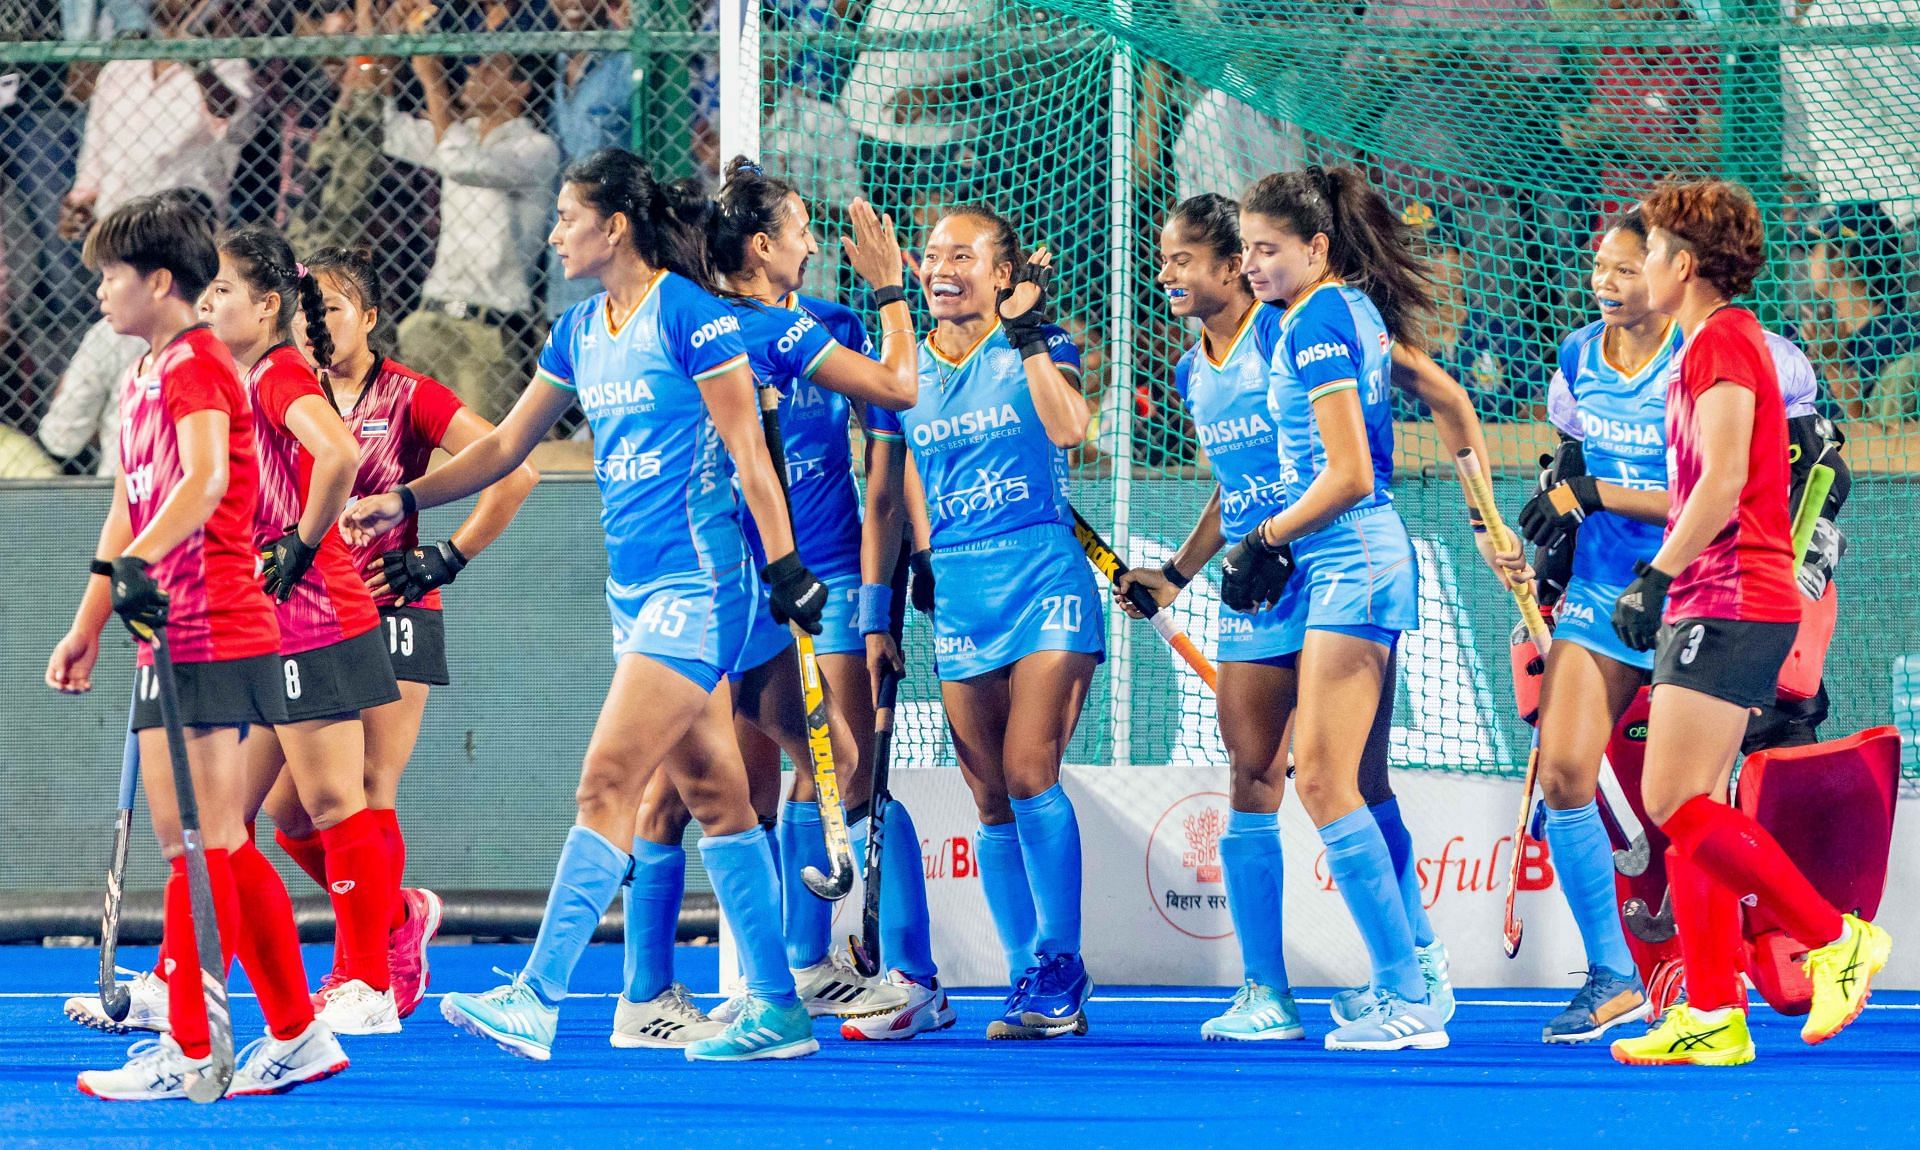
x=653, y=916
x=1584, y=860
x=1405, y=867
x=1003, y=872
x=807, y=919
x=741, y=867
x=584, y=885
x=1250, y=851
x=773, y=843
x=1050, y=843
x=1358, y=860
x=906, y=937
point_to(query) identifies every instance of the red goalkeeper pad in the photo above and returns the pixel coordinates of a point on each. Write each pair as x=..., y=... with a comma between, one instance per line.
x=1529, y=671
x=1644, y=893
x=1807, y=662
x=1831, y=807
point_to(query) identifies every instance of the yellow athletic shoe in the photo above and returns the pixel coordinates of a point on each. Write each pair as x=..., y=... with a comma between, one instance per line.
x=1683, y=1038
x=1842, y=976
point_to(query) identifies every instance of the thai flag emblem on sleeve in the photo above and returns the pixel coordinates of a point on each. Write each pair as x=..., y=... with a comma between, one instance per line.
x=373, y=428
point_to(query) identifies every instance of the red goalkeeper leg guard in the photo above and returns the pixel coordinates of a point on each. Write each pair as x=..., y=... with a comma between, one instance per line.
x=1739, y=855
x=361, y=887
x=270, y=946
x=309, y=854
x=1707, y=916
x=389, y=820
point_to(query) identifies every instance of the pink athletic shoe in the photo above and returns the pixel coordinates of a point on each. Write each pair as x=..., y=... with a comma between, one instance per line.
x=407, y=948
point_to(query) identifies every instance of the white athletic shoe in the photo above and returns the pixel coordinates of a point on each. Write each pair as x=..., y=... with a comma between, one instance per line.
x=270, y=1065
x=353, y=1007
x=156, y=1069
x=726, y=1012
x=834, y=988
x=667, y=1021
x=146, y=1011
x=926, y=1009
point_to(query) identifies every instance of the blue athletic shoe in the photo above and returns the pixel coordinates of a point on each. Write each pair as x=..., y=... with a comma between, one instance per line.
x=1348, y=1006
x=512, y=1016
x=762, y=1030
x=1392, y=1023
x=1606, y=1001
x=1008, y=1025
x=1057, y=999
x=1258, y=1014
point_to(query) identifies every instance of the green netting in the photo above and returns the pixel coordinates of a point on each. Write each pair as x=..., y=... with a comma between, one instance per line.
x=1503, y=130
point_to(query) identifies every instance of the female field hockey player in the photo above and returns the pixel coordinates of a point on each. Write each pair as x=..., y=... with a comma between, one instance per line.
x=1327, y=247
x=176, y=551
x=330, y=642
x=1607, y=482
x=1718, y=606
x=760, y=239
x=1017, y=623
x=1223, y=382
x=398, y=417
x=657, y=364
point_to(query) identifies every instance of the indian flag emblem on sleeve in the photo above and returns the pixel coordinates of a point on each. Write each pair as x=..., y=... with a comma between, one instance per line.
x=373, y=428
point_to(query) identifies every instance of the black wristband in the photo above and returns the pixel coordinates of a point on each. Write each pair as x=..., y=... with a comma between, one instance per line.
x=409, y=502
x=1171, y=574
x=892, y=293
x=460, y=559
x=101, y=567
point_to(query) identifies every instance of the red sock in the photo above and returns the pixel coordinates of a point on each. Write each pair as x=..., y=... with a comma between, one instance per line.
x=1739, y=855
x=186, y=998
x=270, y=948
x=309, y=854
x=396, y=861
x=362, y=892
x=1708, y=917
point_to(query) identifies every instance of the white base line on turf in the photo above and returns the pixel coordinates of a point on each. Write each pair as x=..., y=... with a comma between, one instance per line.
x=1165, y=999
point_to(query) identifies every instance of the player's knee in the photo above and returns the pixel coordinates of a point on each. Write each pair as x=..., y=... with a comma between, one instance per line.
x=603, y=787
x=1325, y=794
x=1030, y=770
x=1664, y=798
x=1564, y=784
x=662, y=821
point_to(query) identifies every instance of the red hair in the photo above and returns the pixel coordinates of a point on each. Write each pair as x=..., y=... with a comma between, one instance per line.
x=1719, y=223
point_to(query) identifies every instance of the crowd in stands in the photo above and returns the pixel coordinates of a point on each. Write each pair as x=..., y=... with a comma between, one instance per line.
x=445, y=167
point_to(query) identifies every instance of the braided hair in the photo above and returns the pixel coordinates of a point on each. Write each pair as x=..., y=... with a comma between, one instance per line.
x=266, y=263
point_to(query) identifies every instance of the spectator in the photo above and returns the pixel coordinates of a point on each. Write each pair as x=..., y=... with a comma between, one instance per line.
x=592, y=109
x=158, y=124
x=496, y=195
x=85, y=411
x=1862, y=332
x=1488, y=354
x=42, y=109
x=910, y=104
x=1851, y=123
x=1652, y=110
x=1256, y=145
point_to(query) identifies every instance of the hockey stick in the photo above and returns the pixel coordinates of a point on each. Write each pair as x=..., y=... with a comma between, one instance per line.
x=866, y=948
x=1650, y=927
x=115, y=999
x=826, y=781
x=1480, y=495
x=1110, y=565
x=211, y=1084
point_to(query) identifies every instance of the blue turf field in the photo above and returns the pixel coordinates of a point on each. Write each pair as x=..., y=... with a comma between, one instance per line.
x=1140, y=1079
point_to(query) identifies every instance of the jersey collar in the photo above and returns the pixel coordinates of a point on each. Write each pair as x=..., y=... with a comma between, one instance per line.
x=606, y=306
x=1233, y=345
x=1296, y=305
x=967, y=357
x=1668, y=342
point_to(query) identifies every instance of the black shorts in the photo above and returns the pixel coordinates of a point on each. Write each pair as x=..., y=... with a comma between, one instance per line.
x=229, y=693
x=342, y=679
x=1728, y=659
x=416, y=639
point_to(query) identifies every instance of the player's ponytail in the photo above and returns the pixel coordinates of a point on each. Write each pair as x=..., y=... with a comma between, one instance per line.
x=666, y=221
x=1366, y=241
x=750, y=203
x=266, y=264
